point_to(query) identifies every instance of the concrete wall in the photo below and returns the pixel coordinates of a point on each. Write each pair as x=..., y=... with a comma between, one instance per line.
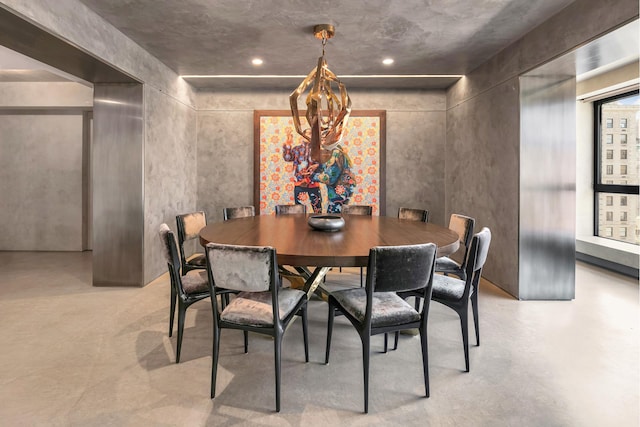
x=483, y=126
x=41, y=168
x=170, y=179
x=169, y=111
x=415, y=147
x=41, y=182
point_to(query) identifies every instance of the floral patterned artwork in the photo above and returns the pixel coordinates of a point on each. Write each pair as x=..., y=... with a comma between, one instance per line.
x=284, y=173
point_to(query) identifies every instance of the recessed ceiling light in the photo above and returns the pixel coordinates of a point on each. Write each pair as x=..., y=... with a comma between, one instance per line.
x=257, y=61
x=387, y=61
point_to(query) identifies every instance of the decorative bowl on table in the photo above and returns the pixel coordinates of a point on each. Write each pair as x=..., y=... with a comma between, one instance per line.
x=326, y=222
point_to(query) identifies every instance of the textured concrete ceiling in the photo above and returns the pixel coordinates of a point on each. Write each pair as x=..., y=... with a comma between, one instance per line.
x=220, y=37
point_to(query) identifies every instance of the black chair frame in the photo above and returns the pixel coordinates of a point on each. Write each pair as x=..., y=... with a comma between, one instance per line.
x=366, y=330
x=178, y=294
x=276, y=330
x=475, y=264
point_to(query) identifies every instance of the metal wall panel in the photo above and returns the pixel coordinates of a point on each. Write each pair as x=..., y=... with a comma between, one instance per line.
x=118, y=199
x=548, y=182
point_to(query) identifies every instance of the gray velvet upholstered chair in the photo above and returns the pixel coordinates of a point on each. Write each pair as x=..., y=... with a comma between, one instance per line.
x=189, y=226
x=185, y=289
x=357, y=210
x=290, y=209
x=239, y=212
x=261, y=305
x=413, y=214
x=456, y=293
x=377, y=309
x=463, y=225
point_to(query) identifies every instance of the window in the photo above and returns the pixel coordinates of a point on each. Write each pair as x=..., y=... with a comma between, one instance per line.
x=615, y=167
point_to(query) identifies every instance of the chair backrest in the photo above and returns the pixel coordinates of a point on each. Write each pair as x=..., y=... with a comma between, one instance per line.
x=463, y=225
x=290, y=209
x=170, y=252
x=477, y=257
x=413, y=214
x=401, y=268
x=189, y=225
x=357, y=210
x=241, y=268
x=240, y=212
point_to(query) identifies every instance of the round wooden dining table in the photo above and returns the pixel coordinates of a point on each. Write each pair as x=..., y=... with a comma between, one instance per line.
x=300, y=246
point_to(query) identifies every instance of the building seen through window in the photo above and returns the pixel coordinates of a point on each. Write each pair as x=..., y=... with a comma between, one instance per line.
x=617, y=200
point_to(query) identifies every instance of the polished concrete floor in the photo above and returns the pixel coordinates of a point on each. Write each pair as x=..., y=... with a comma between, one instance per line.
x=73, y=354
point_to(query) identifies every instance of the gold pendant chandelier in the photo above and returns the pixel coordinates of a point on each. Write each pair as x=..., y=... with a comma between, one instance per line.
x=327, y=114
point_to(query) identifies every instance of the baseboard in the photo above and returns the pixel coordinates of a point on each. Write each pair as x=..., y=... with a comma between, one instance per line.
x=609, y=265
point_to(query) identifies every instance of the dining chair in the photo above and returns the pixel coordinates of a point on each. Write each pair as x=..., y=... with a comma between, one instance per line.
x=189, y=226
x=377, y=308
x=413, y=214
x=456, y=293
x=261, y=305
x=185, y=289
x=463, y=226
x=290, y=209
x=239, y=212
x=365, y=210
x=295, y=279
x=357, y=210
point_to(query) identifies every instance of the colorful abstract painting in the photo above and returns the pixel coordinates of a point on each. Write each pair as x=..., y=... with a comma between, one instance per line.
x=282, y=175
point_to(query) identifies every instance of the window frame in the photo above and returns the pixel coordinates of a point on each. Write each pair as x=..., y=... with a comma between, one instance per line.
x=599, y=125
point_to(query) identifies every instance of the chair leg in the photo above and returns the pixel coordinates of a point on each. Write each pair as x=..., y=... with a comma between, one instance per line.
x=277, y=346
x=246, y=341
x=366, y=343
x=361, y=277
x=425, y=359
x=395, y=341
x=174, y=297
x=329, y=331
x=476, y=323
x=305, y=334
x=464, y=323
x=181, y=315
x=214, y=359
x=386, y=336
